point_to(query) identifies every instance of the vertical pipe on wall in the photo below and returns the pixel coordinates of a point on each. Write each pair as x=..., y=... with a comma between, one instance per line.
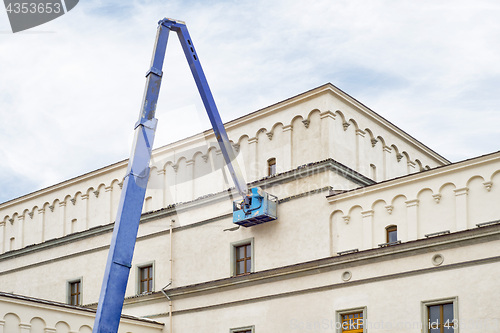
x=171, y=275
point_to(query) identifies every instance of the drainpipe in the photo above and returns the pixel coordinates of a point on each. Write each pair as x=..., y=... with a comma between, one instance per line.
x=171, y=275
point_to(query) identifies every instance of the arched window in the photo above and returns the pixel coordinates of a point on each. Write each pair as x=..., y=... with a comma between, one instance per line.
x=391, y=234
x=271, y=166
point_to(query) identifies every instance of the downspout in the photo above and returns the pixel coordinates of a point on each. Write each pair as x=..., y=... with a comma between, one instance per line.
x=171, y=277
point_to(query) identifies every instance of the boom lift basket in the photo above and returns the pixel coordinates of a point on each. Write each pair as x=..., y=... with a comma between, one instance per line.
x=257, y=207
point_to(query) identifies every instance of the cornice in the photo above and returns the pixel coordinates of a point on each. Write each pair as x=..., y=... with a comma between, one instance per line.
x=66, y=183
x=419, y=176
x=62, y=307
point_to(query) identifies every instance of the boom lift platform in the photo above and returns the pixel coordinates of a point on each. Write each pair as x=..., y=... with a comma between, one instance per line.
x=255, y=207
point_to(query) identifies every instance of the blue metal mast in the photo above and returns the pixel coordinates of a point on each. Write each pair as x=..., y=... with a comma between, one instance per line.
x=130, y=206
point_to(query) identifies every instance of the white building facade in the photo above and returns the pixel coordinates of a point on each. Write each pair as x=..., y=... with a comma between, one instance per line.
x=372, y=225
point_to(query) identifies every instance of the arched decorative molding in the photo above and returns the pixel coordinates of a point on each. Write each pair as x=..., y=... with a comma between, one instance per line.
x=382, y=141
x=404, y=197
x=405, y=154
x=422, y=190
x=313, y=111
x=200, y=154
x=262, y=130
x=342, y=117
x=493, y=175
x=378, y=201
x=32, y=212
x=25, y=213
x=178, y=162
x=395, y=148
x=62, y=326
x=333, y=228
x=373, y=140
x=352, y=121
x=90, y=191
x=67, y=198
x=355, y=207
x=84, y=329
x=37, y=324
x=420, y=165
x=246, y=137
x=307, y=121
x=473, y=178
x=296, y=118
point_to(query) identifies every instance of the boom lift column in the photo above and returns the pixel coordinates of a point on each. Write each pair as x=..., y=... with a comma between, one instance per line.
x=257, y=206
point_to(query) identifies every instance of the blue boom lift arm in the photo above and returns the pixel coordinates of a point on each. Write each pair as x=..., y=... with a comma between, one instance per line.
x=255, y=207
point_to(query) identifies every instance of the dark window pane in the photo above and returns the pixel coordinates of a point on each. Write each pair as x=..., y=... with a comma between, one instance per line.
x=393, y=236
x=240, y=267
x=448, y=313
x=240, y=252
x=249, y=266
x=434, y=314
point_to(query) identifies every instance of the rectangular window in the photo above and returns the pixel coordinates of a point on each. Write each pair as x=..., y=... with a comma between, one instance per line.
x=242, y=258
x=440, y=316
x=146, y=279
x=351, y=321
x=75, y=292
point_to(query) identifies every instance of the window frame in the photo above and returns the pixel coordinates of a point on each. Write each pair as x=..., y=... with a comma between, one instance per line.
x=243, y=329
x=69, y=294
x=271, y=162
x=233, y=256
x=389, y=229
x=139, y=269
x=340, y=313
x=441, y=301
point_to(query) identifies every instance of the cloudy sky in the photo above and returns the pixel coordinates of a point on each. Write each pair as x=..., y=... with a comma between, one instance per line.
x=70, y=89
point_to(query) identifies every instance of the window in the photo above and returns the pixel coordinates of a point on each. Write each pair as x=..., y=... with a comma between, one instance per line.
x=440, y=316
x=242, y=257
x=391, y=234
x=271, y=166
x=145, y=278
x=351, y=321
x=248, y=329
x=75, y=292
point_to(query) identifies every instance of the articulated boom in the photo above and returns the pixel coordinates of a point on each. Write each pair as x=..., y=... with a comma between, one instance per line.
x=255, y=207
